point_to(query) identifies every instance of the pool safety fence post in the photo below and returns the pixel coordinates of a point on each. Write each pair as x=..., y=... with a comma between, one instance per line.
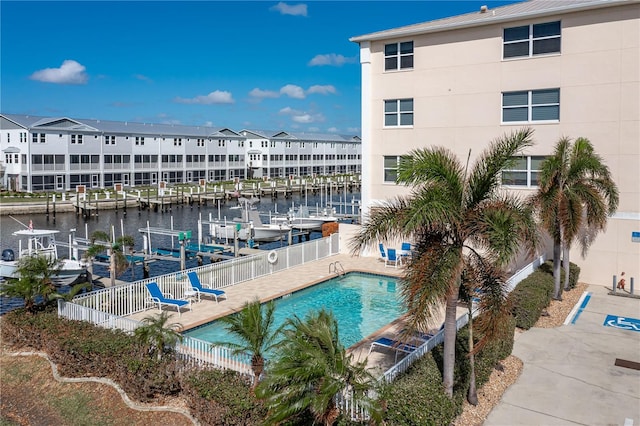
x=615, y=283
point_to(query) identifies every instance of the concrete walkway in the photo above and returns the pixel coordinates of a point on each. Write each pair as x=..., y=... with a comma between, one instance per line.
x=569, y=376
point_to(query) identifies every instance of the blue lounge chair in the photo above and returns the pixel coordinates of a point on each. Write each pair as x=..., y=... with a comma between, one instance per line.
x=197, y=286
x=392, y=258
x=405, y=251
x=382, y=252
x=395, y=345
x=161, y=299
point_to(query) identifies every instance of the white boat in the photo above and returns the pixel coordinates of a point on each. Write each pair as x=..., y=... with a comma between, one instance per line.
x=259, y=231
x=303, y=220
x=40, y=242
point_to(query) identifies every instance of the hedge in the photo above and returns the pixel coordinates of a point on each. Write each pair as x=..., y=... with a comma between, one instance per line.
x=530, y=297
x=417, y=396
x=222, y=397
x=574, y=272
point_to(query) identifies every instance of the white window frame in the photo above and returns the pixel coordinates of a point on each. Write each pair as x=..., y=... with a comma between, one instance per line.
x=530, y=107
x=398, y=113
x=398, y=56
x=393, y=169
x=528, y=170
x=531, y=41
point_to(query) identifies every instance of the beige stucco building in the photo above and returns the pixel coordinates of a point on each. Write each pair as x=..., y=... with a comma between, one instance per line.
x=563, y=68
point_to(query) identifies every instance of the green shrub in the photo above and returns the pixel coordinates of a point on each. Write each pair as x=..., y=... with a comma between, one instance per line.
x=530, y=297
x=219, y=397
x=417, y=397
x=486, y=360
x=574, y=272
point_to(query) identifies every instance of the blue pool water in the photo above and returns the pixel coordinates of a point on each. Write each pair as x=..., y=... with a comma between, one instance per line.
x=362, y=303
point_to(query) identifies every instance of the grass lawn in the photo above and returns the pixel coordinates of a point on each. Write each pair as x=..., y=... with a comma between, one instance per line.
x=31, y=396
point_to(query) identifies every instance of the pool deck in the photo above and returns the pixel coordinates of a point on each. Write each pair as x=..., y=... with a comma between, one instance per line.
x=284, y=282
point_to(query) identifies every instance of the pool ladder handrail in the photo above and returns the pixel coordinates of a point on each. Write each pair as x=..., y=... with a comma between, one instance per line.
x=337, y=268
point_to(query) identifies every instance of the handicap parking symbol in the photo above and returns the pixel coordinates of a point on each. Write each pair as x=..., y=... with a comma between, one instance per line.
x=624, y=323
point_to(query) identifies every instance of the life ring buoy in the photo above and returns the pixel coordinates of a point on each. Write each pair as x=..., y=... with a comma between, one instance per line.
x=272, y=257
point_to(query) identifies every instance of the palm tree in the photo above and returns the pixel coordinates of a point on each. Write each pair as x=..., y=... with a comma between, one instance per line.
x=254, y=329
x=311, y=369
x=118, y=263
x=157, y=335
x=576, y=194
x=451, y=211
x=34, y=284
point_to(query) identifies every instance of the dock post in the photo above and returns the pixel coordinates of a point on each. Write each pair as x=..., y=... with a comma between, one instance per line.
x=47, y=207
x=124, y=199
x=54, y=208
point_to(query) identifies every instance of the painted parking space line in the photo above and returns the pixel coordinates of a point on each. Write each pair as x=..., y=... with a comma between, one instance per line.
x=578, y=308
x=625, y=323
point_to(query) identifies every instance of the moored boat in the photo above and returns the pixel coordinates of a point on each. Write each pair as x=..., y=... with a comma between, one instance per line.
x=40, y=242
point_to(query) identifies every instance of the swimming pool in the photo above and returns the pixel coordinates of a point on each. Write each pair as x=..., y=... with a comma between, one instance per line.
x=362, y=303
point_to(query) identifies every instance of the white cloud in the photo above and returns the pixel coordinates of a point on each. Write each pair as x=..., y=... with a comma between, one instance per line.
x=208, y=124
x=217, y=97
x=261, y=94
x=332, y=130
x=288, y=111
x=331, y=59
x=323, y=90
x=286, y=9
x=293, y=91
x=143, y=78
x=301, y=116
x=70, y=72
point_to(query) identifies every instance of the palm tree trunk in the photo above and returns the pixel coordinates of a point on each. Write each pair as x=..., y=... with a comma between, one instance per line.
x=557, y=293
x=450, y=329
x=565, y=264
x=472, y=395
x=112, y=267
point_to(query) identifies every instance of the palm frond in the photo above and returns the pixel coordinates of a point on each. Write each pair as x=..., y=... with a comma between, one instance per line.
x=484, y=177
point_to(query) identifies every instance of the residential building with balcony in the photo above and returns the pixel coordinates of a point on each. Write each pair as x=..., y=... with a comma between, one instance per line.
x=58, y=153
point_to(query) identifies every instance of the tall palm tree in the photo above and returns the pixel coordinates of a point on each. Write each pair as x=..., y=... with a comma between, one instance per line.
x=576, y=194
x=254, y=328
x=158, y=335
x=34, y=284
x=452, y=210
x=118, y=263
x=311, y=368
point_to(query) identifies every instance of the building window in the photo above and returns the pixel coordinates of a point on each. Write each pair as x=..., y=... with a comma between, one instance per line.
x=530, y=106
x=531, y=40
x=110, y=140
x=524, y=172
x=391, y=168
x=398, y=112
x=398, y=56
x=75, y=139
x=139, y=140
x=177, y=141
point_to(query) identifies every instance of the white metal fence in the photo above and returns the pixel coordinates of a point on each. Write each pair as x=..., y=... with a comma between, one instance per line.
x=190, y=350
x=128, y=299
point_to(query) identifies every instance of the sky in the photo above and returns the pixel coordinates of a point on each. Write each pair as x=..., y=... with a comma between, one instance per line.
x=264, y=65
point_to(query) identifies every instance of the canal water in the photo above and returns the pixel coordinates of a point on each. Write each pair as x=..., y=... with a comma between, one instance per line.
x=183, y=217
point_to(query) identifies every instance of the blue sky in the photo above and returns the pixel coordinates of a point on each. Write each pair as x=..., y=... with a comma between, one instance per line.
x=235, y=64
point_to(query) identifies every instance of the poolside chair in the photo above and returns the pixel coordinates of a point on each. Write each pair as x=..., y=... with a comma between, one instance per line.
x=156, y=296
x=383, y=256
x=392, y=258
x=405, y=251
x=198, y=287
x=395, y=345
